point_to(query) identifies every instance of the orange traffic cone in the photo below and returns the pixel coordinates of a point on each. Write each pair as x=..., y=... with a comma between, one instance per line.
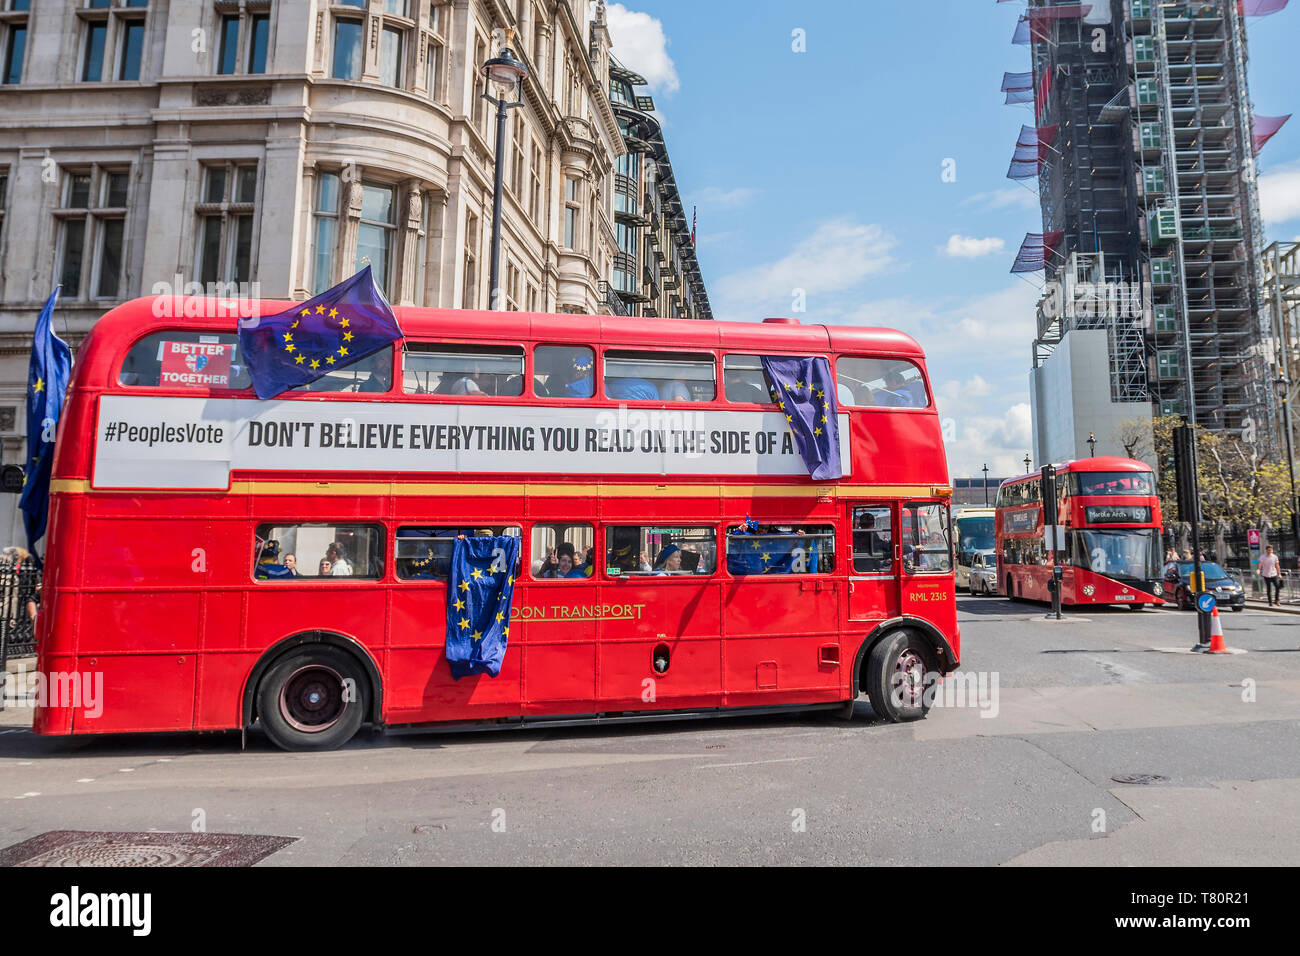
x=1217, y=644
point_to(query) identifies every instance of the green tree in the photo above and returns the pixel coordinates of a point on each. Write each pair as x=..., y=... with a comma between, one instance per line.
x=1234, y=484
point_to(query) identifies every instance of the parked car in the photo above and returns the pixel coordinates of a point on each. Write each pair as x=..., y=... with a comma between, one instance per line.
x=983, y=573
x=1178, y=577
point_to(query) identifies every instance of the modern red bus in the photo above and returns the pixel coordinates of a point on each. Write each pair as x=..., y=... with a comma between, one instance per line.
x=173, y=483
x=1112, y=548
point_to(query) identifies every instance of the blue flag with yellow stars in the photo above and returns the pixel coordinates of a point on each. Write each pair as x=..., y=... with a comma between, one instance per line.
x=479, y=595
x=335, y=329
x=804, y=391
x=774, y=554
x=47, y=381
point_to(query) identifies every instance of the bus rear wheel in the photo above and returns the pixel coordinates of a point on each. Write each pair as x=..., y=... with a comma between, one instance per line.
x=897, y=674
x=312, y=699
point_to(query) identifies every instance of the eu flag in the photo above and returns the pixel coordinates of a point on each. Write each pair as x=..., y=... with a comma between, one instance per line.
x=479, y=594
x=804, y=391
x=338, y=327
x=773, y=554
x=47, y=381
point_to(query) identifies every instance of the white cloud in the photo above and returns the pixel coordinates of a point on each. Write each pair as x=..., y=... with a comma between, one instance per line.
x=718, y=196
x=1279, y=195
x=1012, y=197
x=639, y=44
x=968, y=247
x=1001, y=442
x=837, y=256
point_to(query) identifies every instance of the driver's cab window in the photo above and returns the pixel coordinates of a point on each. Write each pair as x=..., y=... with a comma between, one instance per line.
x=873, y=540
x=927, y=539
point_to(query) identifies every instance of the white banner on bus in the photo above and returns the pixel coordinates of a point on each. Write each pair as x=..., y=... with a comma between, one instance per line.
x=155, y=442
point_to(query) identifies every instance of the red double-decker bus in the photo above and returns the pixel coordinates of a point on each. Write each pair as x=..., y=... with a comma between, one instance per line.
x=1112, y=550
x=604, y=444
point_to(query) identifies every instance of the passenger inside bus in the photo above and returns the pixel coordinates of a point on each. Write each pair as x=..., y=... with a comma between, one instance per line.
x=872, y=547
x=381, y=376
x=268, y=563
x=564, y=561
x=567, y=372
x=339, y=565
x=669, y=561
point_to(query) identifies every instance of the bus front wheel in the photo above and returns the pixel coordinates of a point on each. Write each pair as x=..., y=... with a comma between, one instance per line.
x=312, y=699
x=898, y=672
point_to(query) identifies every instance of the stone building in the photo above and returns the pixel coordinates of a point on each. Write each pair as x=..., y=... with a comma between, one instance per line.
x=279, y=142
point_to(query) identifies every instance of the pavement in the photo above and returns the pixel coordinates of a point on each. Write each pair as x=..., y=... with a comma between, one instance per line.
x=1027, y=773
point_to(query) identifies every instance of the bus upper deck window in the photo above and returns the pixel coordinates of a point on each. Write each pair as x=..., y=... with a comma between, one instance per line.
x=180, y=358
x=563, y=371
x=373, y=373
x=880, y=383
x=434, y=368
x=743, y=379
x=660, y=376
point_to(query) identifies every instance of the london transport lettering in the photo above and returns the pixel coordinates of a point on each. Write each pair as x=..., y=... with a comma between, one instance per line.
x=578, y=612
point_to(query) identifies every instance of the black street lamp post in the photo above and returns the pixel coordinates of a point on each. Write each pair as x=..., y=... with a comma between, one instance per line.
x=986, y=484
x=1092, y=446
x=1027, y=464
x=507, y=72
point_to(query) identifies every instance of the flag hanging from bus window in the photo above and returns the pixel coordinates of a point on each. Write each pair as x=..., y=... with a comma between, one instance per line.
x=773, y=554
x=338, y=327
x=479, y=596
x=804, y=391
x=47, y=381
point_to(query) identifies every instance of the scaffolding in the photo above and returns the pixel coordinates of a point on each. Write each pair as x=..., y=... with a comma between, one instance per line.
x=1152, y=181
x=1200, y=219
x=1087, y=192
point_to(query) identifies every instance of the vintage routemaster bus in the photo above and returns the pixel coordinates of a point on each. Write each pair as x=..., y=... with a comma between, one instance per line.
x=1111, y=516
x=174, y=486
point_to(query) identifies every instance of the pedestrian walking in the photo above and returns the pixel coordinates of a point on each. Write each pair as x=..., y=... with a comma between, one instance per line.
x=1270, y=571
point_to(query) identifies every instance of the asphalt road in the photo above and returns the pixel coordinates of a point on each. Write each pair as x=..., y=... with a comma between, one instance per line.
x=1078, y=703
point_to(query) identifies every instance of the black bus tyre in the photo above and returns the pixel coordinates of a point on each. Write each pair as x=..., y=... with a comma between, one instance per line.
x=314, y=698
x=904, y=660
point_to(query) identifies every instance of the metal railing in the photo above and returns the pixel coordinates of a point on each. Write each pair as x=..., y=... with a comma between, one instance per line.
x=17, y=628
x=1253, y=585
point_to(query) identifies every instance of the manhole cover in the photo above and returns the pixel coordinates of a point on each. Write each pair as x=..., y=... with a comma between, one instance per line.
x=1140, y=778
x=95, y=848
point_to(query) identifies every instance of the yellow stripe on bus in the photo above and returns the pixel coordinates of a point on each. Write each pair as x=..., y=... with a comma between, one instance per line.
x=525, y=489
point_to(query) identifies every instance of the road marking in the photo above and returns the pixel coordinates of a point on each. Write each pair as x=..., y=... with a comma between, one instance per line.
x=751, y=763
x=86, y=780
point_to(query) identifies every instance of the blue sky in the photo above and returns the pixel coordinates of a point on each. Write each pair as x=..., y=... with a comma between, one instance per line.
x=822, y=170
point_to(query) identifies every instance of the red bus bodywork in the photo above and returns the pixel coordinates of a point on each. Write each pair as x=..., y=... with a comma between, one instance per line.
x=1020, y=524
x=154, y=589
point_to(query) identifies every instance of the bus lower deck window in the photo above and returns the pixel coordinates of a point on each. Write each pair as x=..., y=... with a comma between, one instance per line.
x=424, y=554
x=562, y=550
x=291, y=552
x=661, y=551
x=927, y=540
x=781, y=549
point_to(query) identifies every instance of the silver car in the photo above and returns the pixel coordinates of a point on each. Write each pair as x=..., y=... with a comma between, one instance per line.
x=984, y=572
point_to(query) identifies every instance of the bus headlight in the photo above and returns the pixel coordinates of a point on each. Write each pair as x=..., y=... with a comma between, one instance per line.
x=1158, y=589
x=1089, y=590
